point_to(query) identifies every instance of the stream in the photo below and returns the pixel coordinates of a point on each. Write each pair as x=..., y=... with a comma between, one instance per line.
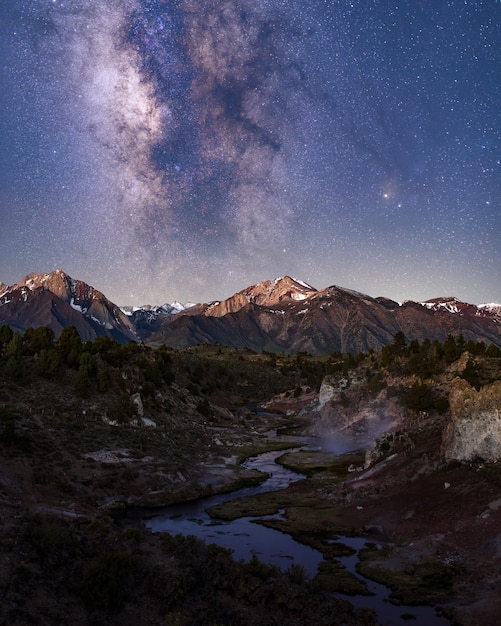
x=246, y=539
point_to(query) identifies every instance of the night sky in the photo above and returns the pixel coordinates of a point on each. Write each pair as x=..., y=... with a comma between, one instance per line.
x=186, y=149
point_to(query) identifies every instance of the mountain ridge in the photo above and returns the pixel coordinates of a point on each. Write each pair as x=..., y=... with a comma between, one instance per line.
x=280, y=315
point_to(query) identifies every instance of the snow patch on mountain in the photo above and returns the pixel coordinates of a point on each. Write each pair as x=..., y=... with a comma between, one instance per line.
x=171, y=309
x=77, y=307
x=453, y=305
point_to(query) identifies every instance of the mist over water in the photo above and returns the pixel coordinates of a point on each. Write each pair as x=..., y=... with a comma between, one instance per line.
x=357, y=436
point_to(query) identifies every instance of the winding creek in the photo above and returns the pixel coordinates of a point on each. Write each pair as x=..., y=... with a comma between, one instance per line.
x=246, y=539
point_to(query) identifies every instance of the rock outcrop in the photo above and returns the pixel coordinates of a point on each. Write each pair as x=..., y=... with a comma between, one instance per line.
x=474, y=431
x=346, y=417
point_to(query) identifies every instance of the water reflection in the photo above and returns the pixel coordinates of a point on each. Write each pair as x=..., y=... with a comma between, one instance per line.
x=247, y=538
x=242, y=535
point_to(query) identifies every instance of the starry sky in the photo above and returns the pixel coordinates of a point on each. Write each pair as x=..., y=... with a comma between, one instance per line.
x=186, y=149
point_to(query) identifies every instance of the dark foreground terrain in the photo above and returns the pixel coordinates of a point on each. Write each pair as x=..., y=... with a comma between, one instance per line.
x=87, y=430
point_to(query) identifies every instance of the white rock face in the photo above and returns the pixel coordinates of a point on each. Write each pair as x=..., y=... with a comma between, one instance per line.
x=330, y=387
x=136, y=399
x=475, y=427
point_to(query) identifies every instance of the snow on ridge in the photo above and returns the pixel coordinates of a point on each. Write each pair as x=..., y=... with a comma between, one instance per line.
x=492, y=309
x=180, y=306
x=452, y=307
x=172, y=309
x=303, y=284
x=77, y=307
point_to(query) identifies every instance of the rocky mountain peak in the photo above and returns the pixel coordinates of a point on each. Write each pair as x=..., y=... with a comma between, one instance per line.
x=57, y=282
x=271, y=292
x=57, y=300
x=268, y=294
x=450, y=304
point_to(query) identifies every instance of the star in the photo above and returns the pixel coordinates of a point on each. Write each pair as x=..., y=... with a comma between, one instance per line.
x=152, y=147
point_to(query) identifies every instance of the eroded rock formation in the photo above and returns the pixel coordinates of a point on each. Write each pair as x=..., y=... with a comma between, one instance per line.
x=474, y=431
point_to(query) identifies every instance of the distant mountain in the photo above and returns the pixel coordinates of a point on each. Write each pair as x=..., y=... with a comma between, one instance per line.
x=148, y=319
x=56, y=300
x=453, y=305
x=281, y=315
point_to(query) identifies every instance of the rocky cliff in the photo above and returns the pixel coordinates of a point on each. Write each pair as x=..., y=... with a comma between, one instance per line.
x=474, y=431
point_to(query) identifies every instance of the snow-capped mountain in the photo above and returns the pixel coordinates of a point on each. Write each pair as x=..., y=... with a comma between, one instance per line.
x=171, y=309
x=284, y=290
x=148, y=318
x=453, y=305
x=57, y=300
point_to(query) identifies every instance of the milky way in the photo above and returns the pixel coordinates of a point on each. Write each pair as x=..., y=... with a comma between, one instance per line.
x=186, y=149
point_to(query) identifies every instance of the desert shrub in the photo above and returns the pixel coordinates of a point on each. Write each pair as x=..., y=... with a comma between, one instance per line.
x=51, y=541
x=135, y=535
x=418, y=397
x=376, y=383
x=441, y=405
x=259, y=569
x=22, y=578
x=470, y=374
x=344, y=399
x=6, y=335
x=203, y=407
x=14, y=437
x=105, y=584
x=297, y=574
x=48, y=362
x=122, y=410
x=148, y=390
x=69, y=345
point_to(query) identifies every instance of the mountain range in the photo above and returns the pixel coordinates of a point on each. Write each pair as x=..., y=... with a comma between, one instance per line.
x=281, y=315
